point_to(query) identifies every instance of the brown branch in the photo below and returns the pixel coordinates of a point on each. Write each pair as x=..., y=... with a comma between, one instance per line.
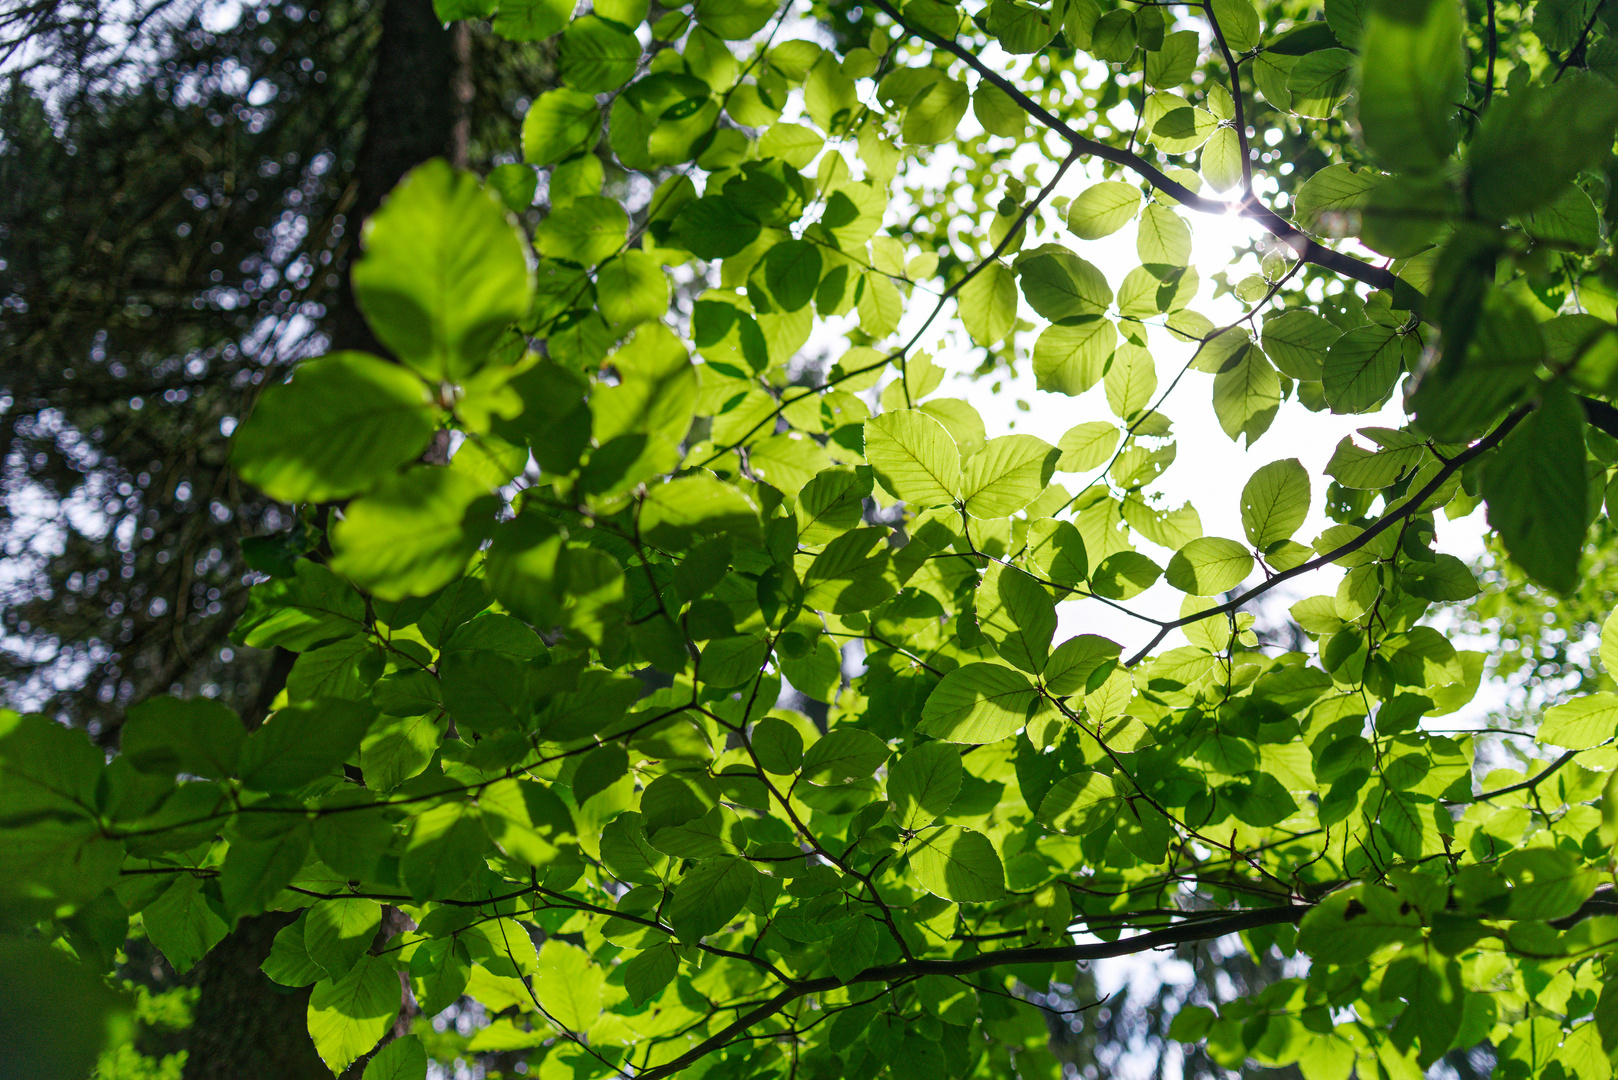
x=1236, y=100
x=1387, y=521
x=1196, y=930
x=1307, y=249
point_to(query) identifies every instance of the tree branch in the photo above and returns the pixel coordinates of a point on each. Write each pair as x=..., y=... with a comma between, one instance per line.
x=1388, y=520
x=1306, y=248
x=1236, y=101
x=1193, y=930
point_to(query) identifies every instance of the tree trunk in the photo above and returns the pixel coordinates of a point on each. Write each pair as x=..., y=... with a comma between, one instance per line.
x=410, y=117
x=247, y=1027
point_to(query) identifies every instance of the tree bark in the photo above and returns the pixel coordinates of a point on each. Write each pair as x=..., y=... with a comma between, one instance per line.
x=410, y=115
x=247, y=1027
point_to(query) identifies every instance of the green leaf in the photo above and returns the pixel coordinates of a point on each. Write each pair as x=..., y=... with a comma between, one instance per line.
x=588, y=231
x=1209, y=566
x=345, y=421
x=569, y=985
x=829, y=96
x=708, y=897
x=1275, y=502
x=1063, y=287
x=1102, y=209
x=1080, y=803
x=439, y=971
x=1182, y=130
x=843, y=755
x=718, y=832
x=1123, y=575
x=647, y=973
x=1071, y=359
x=1329, y=201
x=1006, y=475
x=1086, y=446
x=447, y=844
x=1222, y=159
x=1238, y=22
x=289, y=962
x=1609, y=644
x=298, y=613
x=1017, y=615
x=1350, y=925
x=336, y=933
x=1164, y=239
x=1581, y=723
x=988, y=304
x=958, y=864
x=257, y=868
x=1431, y=984
x=1113, y=38
x=407, y=537
x=1056, y=549
x=168, y=736
x=935, y=113
x=1246, y=396
x=598, y=56
x=1172, y=65
x=924, y=783
x=1319, y=81
x=1079, y=663
x=1346, y=18
x=733, y=661
x=348, y=1016
x=1363, y=365
x=832, y=503
x=1411, y=76
x=1536, y=140
x=853, y=947
x=1569, y=217
x=792, y=143
x=913, y=457
x=778, y=745
x=712, y=227
x=559, y=123
x=184, y=924
x=735, y=20
x=1547, y=883
x=402, y=1059
x=676, y=512
x=677, y=797
x=444, y=275
x=632, y=288
x=998, y=112
x=302, y=742
x=1260, y=800
x=1355, y=467
x=792, y=272
x=1297, y=343
x=978, y=703
x=1131, y=381
x=625, y=851
x=1536, y=490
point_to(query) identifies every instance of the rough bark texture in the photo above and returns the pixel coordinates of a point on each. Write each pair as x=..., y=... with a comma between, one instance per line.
x=245, y=1026
x=409, y=117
